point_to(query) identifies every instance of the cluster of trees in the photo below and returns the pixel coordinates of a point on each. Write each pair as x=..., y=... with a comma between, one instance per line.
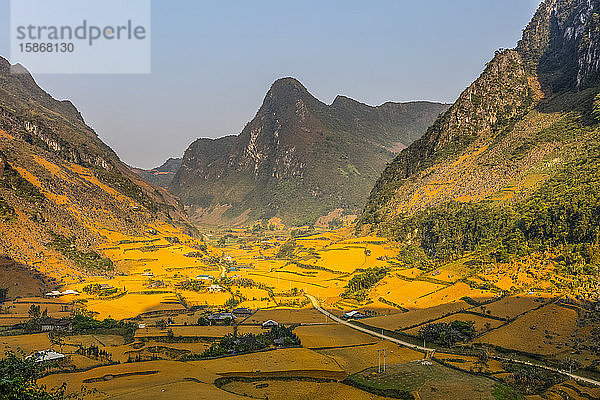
x=448, y=334
x=222, y=242
x=196, y=286
x=360, y=284
x=455, y=228
x=138, y=358
x=86, y=324
x=95, y=352
x=287, y=249
x=89, y=260
x=234, y=301
x=36, y=317
x=246, y=343
x=18, y=381
x=531, y=380
x=95, y=289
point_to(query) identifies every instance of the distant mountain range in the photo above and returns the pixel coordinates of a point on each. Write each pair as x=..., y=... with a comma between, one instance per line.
x=161, y=176
x=298, y=159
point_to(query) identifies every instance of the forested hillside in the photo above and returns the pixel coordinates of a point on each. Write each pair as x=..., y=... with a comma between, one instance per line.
x=512, y=168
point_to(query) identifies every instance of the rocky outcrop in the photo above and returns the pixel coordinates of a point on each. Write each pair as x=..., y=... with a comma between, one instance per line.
x=562, y=44
x=2, y=165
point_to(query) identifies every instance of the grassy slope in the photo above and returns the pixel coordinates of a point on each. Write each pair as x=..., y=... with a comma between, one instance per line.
x=505, y=187
x=58, y=177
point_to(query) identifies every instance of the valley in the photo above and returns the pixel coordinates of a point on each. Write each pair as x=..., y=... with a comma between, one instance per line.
x=410, y=250
x=167, y=284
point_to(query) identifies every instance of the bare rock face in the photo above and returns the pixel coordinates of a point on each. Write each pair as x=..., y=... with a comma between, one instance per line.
x=2, y=165
x=562, y=44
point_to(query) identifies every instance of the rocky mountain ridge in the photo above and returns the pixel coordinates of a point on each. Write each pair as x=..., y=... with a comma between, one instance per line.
x=508, y=175
x=298, y=158
x=62, y=190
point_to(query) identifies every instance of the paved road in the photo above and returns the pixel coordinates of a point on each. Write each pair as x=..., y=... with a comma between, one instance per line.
x=572, y=376
x=316, y=305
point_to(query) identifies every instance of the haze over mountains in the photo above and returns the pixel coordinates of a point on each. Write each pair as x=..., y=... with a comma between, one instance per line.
x=161, y=176
x=299, y=158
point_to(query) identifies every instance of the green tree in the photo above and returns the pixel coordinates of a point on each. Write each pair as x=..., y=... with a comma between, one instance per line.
x=18, y=381
x=3, y=294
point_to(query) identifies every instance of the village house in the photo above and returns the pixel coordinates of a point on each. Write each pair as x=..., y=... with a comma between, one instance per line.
x=56, y=325
x=242, y=312
x=354, y=315
x=204, y=278
x=215, y=288
x=45, y=356
x=221, y=317
x=270, y=324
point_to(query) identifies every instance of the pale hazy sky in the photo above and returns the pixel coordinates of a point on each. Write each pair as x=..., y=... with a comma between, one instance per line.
x=213, y=62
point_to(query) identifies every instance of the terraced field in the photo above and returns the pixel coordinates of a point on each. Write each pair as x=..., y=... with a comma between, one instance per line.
x=167, y=283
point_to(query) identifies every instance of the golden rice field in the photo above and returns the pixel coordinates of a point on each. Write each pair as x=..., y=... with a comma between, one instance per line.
x=481, y=324
x=321, y=265
x=510, y=307
x=545, y=331
x=24, y=343
x=332, y=335
x=356, y=358
x=298, y=390
x=402, y=321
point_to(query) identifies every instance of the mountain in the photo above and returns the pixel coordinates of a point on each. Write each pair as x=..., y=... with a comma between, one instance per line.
x=299, y=158
x=62, y=190
x=512, y=167
x=161, y=176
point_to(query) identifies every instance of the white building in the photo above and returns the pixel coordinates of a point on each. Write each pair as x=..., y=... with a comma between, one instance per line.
x=354, y=315
x=215, y=288
x=270, y=324
x=46, y=356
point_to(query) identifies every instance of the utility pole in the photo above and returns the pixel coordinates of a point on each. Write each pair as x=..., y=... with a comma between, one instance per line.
x=381, y=368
